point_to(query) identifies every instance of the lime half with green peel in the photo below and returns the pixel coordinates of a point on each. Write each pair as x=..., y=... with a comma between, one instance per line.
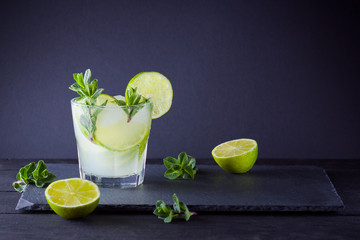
x=157, y=87
x=73, y=197
x=236, y=156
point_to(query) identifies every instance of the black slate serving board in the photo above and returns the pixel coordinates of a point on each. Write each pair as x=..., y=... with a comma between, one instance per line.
x=264, y=188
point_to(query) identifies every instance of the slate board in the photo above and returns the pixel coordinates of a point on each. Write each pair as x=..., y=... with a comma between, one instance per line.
x=264, y=188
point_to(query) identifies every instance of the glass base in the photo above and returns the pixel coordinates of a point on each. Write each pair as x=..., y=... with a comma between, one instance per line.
x=117, y=182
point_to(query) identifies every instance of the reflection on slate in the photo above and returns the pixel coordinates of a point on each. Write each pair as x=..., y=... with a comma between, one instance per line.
x=264, y=188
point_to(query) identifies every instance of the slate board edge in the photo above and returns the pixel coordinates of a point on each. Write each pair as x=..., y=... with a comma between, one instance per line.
x=24, y=205
x=201, y=208
x=342, y=205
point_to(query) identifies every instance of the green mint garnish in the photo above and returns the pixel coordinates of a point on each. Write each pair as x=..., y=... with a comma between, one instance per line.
x=39, y=175
x=133, y=102
x=179, y=210
x=89, y=91
x=86, y=88
x=183, y=166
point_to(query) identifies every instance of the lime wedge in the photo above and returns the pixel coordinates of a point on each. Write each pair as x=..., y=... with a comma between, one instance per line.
x=73, y=197
x=236, y=156
x=157, y=87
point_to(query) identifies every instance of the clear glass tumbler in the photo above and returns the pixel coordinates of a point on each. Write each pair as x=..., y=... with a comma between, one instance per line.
x=112, y=142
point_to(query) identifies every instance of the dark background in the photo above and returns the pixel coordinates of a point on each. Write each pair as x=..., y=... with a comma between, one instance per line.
x=285, y=73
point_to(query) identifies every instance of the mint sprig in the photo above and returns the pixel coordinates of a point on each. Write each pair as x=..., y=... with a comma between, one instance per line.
x=86, y=88
x=184, y=166
x=89, y=91
x=166, y=213
x=133, y=103
x=32, y=173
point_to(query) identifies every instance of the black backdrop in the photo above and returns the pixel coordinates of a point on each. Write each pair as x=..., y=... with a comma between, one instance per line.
x=282, y=72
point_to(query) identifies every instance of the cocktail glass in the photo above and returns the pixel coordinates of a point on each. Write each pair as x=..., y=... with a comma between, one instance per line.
x=111, y=145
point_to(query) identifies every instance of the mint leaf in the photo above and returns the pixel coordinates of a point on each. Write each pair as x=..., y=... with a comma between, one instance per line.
x=187, y=213
x=41, y=175
x=79, y=79
x=75, y=87
x=168, y=219
x=97, y=92
x=32, y=173
x=20, y=187
x=162, y=210
x=173, y=173
x=25, y=173
x=183, y=158
x=87, y=77
x=184, y=166
x=189, y=170
x=170, y=162
x=176, y=205
x=180, y=210
x=192, y=162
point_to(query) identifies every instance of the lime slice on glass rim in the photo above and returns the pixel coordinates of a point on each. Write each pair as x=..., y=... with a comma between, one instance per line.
x=157, y=87
x=236, y=156
x=73, y=197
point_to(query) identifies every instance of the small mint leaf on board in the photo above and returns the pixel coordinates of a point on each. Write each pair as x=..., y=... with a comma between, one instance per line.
x=170, y=162
x=183, y=158
x=192, y=162
x=41, y=175
x=187, y=213
x=168, y=219
x=20, y=187
x=184, y=166
x=189, y=170
x=176, y=205
x=25, y=173
x=173, y=173
x=32, y=173
x=167, y=214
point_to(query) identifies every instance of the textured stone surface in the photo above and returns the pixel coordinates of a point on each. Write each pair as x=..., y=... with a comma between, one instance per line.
x=264, y=188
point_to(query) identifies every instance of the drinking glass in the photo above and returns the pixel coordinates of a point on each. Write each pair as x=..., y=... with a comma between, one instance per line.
x=112, y=142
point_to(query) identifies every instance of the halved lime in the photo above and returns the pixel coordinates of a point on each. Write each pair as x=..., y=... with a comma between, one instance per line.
x=157, y=87
x=73, y=197
x=236, y=156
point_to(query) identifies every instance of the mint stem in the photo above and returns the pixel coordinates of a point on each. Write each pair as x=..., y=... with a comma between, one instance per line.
x=129, y=119
x=91, y=134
